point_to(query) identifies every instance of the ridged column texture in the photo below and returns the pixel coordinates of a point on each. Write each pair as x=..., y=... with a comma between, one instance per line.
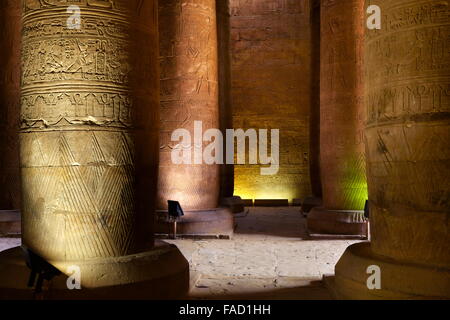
x=189, y=92
x=407, y=98
x=341, y=105
x=89, y=127
x=10, y=26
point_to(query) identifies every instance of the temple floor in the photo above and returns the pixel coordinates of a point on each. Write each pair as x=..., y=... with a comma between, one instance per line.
x=269, y=257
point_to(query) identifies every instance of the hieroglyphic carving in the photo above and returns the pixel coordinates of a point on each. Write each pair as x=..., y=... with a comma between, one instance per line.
x=88, y=105
x=408, y=54
x=30, y=5
x=407, y=99
x=93, y=57
x=396, y=101
x=189, y=92
x=65, y=108
x=270, y=46
x=342, y=114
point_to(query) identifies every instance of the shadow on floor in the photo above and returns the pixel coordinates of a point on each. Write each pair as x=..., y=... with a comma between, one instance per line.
x=316, y=290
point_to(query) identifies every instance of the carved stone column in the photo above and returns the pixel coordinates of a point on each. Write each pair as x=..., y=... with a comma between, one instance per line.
x=10, y=25
x=408, y=131
x=341, y=121
x=189, y=93
x=89, y=142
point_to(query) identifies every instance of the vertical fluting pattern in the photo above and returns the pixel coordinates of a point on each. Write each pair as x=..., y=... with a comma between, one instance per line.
x=10, y=27
x=89, y=127
x=226, y=113
x=189, y=92
x=341, y=105
x=407, y=98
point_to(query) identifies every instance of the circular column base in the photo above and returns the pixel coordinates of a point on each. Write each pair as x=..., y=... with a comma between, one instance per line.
x=160, y=273
x=398, y=280
x=215, y=222
x=337, y=222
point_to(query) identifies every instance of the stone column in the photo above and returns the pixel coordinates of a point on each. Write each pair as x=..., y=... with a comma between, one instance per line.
x=10, y=25
x=341, y=119
x=315, y=199
x=190, y=94
x=89, y=142
x=407, y=102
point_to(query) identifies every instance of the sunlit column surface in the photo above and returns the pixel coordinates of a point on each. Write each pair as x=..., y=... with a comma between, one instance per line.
x=89, y=115
x=89, y=152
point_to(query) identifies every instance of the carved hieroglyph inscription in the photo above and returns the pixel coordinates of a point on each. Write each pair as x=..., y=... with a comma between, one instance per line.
x=80, y=137
x=189, y=92
x=342, y=110
x=407, y=99
x=93, y=59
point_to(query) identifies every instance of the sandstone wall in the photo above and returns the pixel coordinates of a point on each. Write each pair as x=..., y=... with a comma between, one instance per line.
x=10, y=27
x=271, y=89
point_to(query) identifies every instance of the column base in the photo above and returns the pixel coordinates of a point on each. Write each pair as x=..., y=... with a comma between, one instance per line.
x=322, y=221
x=271, y=203
x=309, y=203
x=10, y=222
x=217, y=223
x=235, y=204
x=160, y=273
x=398, y=280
